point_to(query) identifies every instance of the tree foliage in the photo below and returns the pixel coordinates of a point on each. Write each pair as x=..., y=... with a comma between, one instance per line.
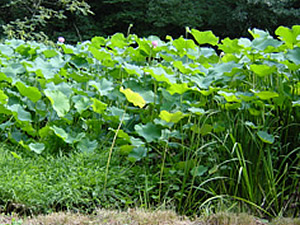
x=40, y=19
x=32, y=19
x=224, y=17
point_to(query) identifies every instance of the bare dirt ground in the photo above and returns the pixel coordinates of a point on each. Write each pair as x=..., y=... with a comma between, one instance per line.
x=139, y=217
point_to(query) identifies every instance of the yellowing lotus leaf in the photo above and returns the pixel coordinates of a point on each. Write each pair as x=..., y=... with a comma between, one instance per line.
x=135, y=98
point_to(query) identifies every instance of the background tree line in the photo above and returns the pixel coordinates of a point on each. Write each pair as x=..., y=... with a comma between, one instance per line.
x=78, y=20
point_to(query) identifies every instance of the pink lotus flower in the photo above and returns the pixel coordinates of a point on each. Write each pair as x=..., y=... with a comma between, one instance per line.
x=154, y=44
x=61, y=39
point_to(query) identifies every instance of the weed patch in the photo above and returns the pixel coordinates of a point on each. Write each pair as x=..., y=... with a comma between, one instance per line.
x=32, y=184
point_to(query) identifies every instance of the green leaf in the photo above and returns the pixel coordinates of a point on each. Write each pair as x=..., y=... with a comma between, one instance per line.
x=214, y=169
x=257, y=33
x=18, y=136
x=125, y=149
x=245, y=42
x=81, y=103
x=4, y=77
x=133, y=69
x=167, y=133
x=104, y=86
x=42, y=68
x=138, y=153
x=137, y=142
x=147, y=95
x=68, y=49
x=205, y=129
x=6, y=50
x=118, y=40
x=60, y=132
x=265, y=95
x=20, y=113
x=123, y=135
x=265, y=137
x=50, y=53
x=67, y=137
x=171, y=117
x=294, y=55
x=205, y=37
x=150, y=131
x=230, y=46
x=160, y=74
x=229, y=97
x=219, y=127
x=197, y=111
x=254, y=112
x=144, y=46
x=13, y=68
x=199, y=170
x=98, y=106
x=15, y=155
x=182, y=44
x=250, y=124
x=79, y=61
x=44, y=132
x=30, y=92
x=98, y=41
x=183, y=68
x=208, y=92
x=87, y=146
x=178, y=88
x=59, y=101
x=266, y=44
x=262, y=70
x=133, y=97
x=246, y=96
x=114, y=111
x=37, y=147
x=100, y=54
x=289, y=36
x=3, y=97
x=5, y=125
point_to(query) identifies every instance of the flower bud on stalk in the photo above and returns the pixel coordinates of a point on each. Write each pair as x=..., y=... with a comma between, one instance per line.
x=61, y=39
x=154, y=44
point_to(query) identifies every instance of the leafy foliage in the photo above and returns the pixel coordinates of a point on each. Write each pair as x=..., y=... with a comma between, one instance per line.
x=176, y=109
x=28, y=20
x=31, y=185
x=43, y=20
x=224, y=17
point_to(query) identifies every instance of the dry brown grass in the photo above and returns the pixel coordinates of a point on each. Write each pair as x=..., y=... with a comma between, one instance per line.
x=108, y=217
x=286, y=221
x=142, y=217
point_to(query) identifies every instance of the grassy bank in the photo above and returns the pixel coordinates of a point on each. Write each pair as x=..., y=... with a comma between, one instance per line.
x=40, y=184
x=47, y=185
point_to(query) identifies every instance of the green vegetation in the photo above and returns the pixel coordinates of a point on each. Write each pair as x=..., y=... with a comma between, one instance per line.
x=41, y=19
x=35, y=184
x=224, y=17
x=125, y=121
x=46, y=19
